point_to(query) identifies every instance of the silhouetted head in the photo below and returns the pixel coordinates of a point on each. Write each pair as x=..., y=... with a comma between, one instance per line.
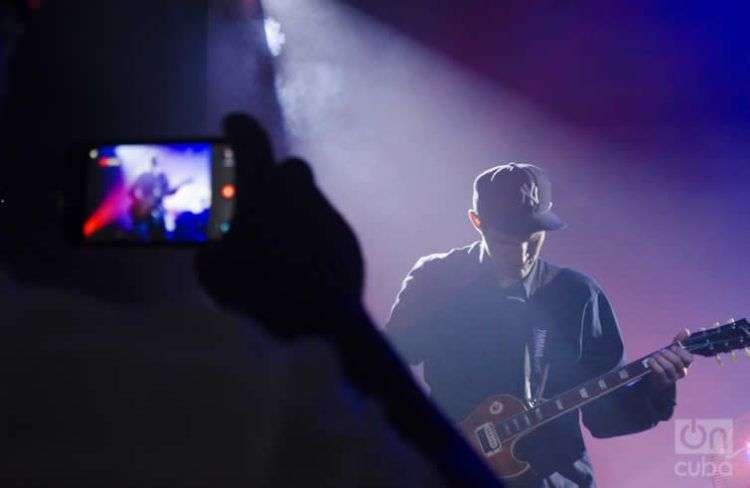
x=512, y=210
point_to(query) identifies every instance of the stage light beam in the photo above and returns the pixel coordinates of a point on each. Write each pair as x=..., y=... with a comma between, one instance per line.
x=275, y=37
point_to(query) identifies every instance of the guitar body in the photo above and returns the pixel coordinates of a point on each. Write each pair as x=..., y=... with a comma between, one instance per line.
x=478, y=429
x=148, y=193
x=510, y=414
x=141, y=209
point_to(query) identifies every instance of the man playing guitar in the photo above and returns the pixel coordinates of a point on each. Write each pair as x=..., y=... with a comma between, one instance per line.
x=147, y=202
x=492, y=318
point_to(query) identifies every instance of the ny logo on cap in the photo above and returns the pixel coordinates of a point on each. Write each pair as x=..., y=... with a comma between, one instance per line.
x=531, y=192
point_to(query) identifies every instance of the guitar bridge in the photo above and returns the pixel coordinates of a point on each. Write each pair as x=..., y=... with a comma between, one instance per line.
x=488, y=439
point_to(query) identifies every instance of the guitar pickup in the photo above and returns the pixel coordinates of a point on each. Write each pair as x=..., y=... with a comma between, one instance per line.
x=488, y=439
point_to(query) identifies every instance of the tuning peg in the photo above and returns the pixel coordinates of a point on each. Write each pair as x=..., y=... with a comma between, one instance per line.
x=734, y=357
x=747, y=351
x=718, y=360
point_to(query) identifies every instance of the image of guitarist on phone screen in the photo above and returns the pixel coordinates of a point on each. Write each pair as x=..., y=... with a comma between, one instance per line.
x=500, y=334
x=147, y=202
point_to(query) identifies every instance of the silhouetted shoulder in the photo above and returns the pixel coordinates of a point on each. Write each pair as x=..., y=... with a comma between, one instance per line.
x=457, y=260
x=576, y=283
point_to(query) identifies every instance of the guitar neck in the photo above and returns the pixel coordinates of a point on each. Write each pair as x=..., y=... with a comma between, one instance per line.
x=708, y=342
x=570, y=400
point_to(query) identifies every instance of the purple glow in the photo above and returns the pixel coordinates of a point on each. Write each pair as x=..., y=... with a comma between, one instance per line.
x=655, y=195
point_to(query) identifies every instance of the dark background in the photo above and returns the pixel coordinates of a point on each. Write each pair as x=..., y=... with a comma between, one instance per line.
x=637, y=110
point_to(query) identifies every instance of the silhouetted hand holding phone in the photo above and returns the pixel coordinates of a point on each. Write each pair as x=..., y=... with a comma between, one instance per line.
x=291, y=261
x=289, y=258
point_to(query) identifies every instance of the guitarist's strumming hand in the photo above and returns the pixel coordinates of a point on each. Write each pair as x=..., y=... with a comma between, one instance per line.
x=670, y=364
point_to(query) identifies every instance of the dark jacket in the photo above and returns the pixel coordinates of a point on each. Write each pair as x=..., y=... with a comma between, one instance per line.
x=477, y=340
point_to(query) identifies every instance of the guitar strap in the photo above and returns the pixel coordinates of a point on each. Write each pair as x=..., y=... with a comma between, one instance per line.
x=536, y=361
x=535, y=369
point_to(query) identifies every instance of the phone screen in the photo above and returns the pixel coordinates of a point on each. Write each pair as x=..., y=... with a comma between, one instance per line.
x=176, y=192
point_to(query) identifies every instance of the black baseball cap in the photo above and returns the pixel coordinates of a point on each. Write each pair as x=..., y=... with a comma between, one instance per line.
x=515, y=197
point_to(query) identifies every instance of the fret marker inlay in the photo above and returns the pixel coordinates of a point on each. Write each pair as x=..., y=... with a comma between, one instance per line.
x=602, y=384
x=584, y=393
x=559, y=405
x=624, y=375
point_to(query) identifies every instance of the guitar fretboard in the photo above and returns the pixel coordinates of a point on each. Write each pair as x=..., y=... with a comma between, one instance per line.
x=571, y=399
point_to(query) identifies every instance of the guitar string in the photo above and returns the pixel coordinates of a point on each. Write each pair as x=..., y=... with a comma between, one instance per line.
x=689, y=347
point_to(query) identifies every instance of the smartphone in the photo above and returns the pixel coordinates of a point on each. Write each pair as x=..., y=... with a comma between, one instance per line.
x=167, y=192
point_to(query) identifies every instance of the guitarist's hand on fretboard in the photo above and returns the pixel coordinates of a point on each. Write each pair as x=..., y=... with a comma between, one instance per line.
x=184, y=182
x=670, y=364
x=497, y=423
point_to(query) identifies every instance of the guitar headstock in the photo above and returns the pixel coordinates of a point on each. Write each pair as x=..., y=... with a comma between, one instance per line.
x=733, y=335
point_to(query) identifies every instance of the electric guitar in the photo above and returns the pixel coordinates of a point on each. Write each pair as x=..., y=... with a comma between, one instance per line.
x=497, y=423
x=144, y=204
